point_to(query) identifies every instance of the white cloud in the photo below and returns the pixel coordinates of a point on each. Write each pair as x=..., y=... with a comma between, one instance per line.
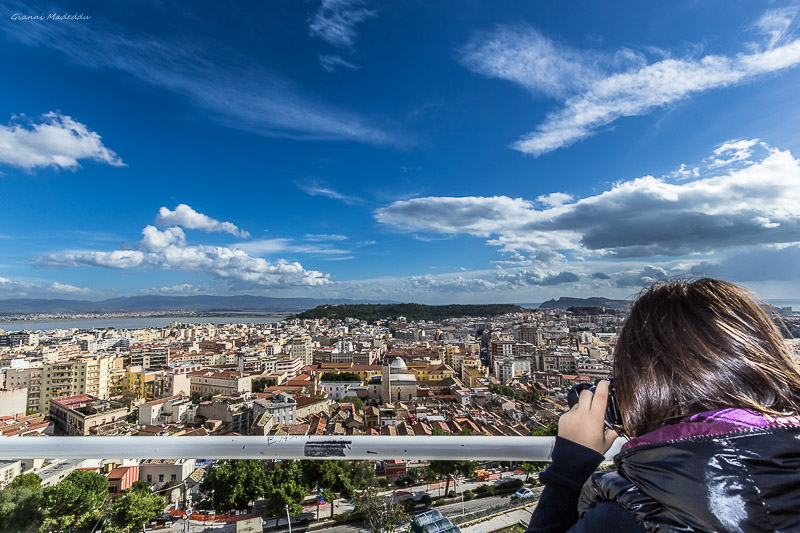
x=641, y=278
x=313, y=188
x=219, y=261
x=167, y=250
x=741, y=205
x=329, y=63
x=324, y=237
x=186, y=217
x=56, y=141
x=554, y=199
x=155, y=240
x=526, y=277
x=181, y=289
x=777, y=24
x=524, y=56
x=598, y=88
x=68, y=289
x=15, y=288
x=335, y=21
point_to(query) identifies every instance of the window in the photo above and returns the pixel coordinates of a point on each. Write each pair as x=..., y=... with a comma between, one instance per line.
x=149, y=478
x=161, y=477
x=173, y=477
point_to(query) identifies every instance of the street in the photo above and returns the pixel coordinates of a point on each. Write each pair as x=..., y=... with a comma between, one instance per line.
x=450, y=510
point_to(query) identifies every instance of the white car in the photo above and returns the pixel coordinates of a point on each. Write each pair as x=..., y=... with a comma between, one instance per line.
x=523, y=493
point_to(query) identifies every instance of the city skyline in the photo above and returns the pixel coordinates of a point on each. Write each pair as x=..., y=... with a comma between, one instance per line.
x=448, y=153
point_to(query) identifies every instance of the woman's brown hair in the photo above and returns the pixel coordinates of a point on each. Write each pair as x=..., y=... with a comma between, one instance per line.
x=694, y=346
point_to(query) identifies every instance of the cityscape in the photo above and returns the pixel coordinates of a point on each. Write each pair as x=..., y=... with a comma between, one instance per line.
x=487, y=376
x=323, y=221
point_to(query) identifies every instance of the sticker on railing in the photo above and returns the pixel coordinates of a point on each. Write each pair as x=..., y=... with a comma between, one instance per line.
x=333, y=448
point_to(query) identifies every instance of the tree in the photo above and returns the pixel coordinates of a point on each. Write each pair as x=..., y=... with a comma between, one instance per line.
x=531, y=467
x=428, y=474
x=285, y=486
x=330, y=476
x=414, y=475
x=362, y=474
x=135, y=507
x=235, y=483
x=340, y=376
x=358, y=403
x=381, y=515
x=260, y=385
x=447, y=468
x=30, y=481
x=548, y=431
x=21, y=506
x=75, y=500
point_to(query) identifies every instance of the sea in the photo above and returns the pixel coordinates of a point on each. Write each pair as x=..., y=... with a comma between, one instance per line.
x=131, y=322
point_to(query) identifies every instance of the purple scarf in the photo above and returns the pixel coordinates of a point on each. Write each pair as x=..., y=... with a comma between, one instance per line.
x=711, y=423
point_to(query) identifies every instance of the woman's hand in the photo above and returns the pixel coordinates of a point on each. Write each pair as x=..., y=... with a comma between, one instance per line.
x=585, y=422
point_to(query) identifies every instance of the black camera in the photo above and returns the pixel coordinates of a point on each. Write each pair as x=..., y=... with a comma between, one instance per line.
x=613, y=419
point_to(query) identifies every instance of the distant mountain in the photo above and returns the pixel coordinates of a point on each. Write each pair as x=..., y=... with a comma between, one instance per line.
x=565, y=302
x=203, y=303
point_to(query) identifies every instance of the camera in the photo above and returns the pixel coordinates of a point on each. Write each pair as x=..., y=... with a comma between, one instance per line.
x=613, y=418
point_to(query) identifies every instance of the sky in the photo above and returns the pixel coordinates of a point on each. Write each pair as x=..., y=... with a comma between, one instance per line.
x=435, y=152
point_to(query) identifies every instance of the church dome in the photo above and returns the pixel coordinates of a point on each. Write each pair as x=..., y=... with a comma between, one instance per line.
x=398, y=364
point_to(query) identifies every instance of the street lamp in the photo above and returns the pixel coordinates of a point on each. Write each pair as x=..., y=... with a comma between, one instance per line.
x=289, y=518
x=461, y=488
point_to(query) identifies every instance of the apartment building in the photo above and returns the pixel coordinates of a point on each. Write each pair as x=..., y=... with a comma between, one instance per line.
x=82, y=414
x=84, y=375
x=158, y=472
x=172, y=410
x=150, y=356
x=302, y=347
x=471, y=370
x=281, y=407
x=212, y=382
x=13, y=402
x=290, y=366
x=26, y=378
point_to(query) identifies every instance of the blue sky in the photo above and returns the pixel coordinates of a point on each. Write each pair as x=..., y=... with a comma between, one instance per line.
x=410, y=151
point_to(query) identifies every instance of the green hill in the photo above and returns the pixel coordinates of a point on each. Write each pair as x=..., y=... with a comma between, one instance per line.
x=412, y=312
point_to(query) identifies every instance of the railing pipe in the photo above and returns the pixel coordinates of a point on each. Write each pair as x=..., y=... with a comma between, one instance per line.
x=456, y=448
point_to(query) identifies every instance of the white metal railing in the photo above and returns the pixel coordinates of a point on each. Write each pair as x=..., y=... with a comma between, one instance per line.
x=456, y=448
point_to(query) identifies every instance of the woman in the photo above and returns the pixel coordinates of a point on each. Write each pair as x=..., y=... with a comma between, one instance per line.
x=708, y=395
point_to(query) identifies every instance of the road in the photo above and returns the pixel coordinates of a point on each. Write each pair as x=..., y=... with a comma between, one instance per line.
x=341, y=506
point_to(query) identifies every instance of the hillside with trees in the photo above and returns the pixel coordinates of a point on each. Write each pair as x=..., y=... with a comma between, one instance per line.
x=412, y=312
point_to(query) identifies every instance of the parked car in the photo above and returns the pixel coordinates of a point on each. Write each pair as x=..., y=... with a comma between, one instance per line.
x=523, y=493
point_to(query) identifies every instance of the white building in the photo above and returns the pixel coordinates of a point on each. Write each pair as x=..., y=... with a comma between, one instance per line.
x=337, y=390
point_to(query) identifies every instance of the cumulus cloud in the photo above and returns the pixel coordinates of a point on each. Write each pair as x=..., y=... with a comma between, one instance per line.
x=188, y=218
x=335, y=21
x=740, y=205
x=524, y=277
x=765, y=263
x=181, y=289
x=154, y=240
x=167, y=250
x=15, y=288
x=56, y=141
x=598, y=88
x=641, y=278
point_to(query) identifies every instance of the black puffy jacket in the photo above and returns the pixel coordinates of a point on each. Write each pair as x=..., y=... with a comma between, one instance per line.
x=741, y=480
